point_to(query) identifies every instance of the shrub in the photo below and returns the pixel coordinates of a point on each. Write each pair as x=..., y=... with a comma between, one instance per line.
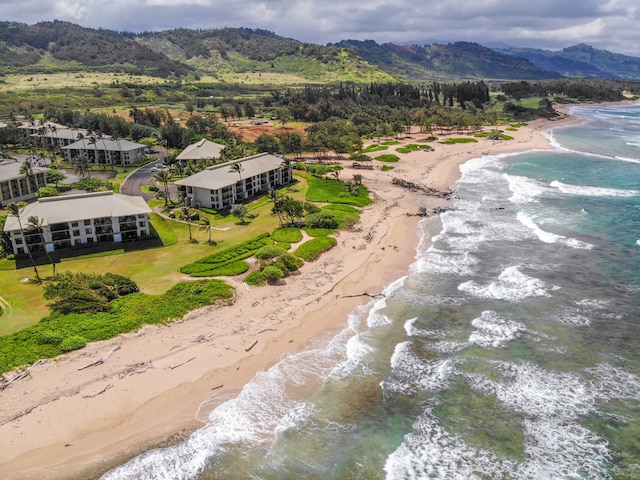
x=323, y=219
x=386, y=168
x=74, y=342
x=255, y=278
x=272, y=273
x=311, y=249
x=228, y=270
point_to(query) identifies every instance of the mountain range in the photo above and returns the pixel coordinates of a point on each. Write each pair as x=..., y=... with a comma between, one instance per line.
x=56, y=46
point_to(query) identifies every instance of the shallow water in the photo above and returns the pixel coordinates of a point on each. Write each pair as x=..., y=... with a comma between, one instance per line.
x=509, y=351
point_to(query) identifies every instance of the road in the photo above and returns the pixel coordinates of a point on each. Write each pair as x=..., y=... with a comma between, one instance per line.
x=142, y=176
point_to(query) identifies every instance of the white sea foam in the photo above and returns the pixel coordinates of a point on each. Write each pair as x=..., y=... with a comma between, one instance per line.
x=492, y=331
x=412, y=331
x=531, y=390
x=411, y=373
x=442, y=262
x=548, y=237
x=593, y=191
x=511, y=285
x=429, y=451
x=525, y=190
x=563, y=450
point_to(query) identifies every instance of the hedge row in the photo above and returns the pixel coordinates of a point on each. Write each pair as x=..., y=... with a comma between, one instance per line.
x=205, y=265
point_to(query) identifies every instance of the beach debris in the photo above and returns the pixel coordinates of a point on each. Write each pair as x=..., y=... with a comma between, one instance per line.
x=251, y=346
x=173, y=367
x=99, y=392
x=100, y=360
x=365, y=294
x=415, y=187
x=20, y=375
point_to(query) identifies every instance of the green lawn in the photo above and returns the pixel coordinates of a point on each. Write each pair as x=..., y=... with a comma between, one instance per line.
x=154, y=269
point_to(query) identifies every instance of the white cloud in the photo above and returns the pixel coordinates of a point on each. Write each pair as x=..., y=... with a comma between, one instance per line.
x=553, y=24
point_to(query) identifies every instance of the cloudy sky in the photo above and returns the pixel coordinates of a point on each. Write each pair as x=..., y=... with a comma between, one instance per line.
x=552, y=24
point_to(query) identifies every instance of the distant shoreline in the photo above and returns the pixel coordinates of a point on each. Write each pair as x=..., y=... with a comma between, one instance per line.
x=62, y=422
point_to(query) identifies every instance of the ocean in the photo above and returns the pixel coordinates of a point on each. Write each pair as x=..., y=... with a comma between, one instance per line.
x=510, y=350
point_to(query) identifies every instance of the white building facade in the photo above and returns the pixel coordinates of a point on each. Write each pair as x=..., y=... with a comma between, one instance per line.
x=219, y=187
x=68, y=221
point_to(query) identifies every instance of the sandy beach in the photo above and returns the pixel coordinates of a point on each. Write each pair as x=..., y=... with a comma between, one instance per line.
x=64, y=421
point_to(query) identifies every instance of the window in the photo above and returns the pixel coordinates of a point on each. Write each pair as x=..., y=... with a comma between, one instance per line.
x=18, y=241
x=142, y=224
x=89, y=231
x=74, y=224
x=87, y=222
x=76, y=233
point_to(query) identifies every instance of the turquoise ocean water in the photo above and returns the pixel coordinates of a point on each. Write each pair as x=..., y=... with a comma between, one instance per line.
x=511, y=349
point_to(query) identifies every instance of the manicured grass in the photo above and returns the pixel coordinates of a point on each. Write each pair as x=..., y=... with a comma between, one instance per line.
x=411, y=147
x=388, y=158
x=374, y=148
x=386, y=168
x=453, y=141
x=333, y=191
x=390, y=142
x=288, y=235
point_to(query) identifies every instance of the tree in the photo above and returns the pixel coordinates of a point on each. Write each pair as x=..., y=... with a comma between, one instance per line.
x=267, y=143
x=164, y=177
x=55, y=176
x=81, y=165
x=205, y=224
x=36, y=224
x=185, y=214
x=275, y=197
x=284, y=115
x=239, y=210
x=238, y=168
x=14, y=210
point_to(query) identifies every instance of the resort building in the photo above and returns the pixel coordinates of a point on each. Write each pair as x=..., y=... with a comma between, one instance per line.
x=105, y=151
x=221, y=186
x=72, y=220
x=19, y=187
x=202, y=150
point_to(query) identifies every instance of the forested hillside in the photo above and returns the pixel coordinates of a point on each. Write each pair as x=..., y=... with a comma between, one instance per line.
x=63, y=46
x=583, y=61
x=451, y=61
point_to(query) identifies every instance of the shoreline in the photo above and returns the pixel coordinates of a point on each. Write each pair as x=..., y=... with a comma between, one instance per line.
x=62, y=422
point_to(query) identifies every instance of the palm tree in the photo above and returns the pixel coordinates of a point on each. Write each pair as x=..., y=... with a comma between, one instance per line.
x=238, y=168
x=164, y=177
x=14, y=210
x=54, y=143
x=116, y=137
x=205, y=224
x=275, y=197
x=81, y=165
x=34, y=223
x=185, y=214
x=26, y=169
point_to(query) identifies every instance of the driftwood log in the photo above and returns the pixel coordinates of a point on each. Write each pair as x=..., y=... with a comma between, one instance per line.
x=415, y=187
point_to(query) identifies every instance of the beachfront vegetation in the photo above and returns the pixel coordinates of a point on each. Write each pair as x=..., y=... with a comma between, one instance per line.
x=388, y=158
x=312, y=249
x=288, y=235
x=58, y=332
x=211, y=265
